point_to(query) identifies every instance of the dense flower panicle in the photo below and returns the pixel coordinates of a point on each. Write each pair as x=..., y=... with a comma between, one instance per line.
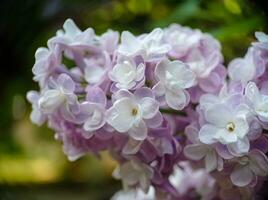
x=161, y=105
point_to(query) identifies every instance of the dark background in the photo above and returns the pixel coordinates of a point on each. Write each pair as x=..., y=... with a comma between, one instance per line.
x=32, y=165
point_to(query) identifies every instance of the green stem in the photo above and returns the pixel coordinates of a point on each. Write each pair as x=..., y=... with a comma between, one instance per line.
x=173, y=112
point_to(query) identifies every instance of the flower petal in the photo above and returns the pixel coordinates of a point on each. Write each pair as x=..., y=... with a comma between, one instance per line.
x=139, y=131
x=258, y=163
x=177, y=100
x=240, y=147
x=211, y=160
x=207, y=134
x=66, y=83
x=241, y=176
x=195, y=151
x=219, y=115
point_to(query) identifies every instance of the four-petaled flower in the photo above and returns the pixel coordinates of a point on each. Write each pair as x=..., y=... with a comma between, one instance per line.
x=174, y=77
x=134, y=113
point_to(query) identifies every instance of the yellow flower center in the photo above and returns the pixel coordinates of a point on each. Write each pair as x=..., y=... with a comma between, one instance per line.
x=134, y=111
x=230, y=126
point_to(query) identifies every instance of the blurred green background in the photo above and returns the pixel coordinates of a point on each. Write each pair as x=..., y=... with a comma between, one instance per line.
x=32, y=165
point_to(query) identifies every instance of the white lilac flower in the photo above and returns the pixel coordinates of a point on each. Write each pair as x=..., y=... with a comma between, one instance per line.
x=37, y=116
x=252, y=165
x=201, y=65
x=202, y=151
x=149, y=46
x=45, y=63
x=262, y=40
x=92, y=111
x=109, y=41
x=181, y=39
x=96, y=68
x=60, y=96
x=185, y=178
x=72, y=35
x=174, y=77
x=74, y=42
x=132, y=113
x=134, y=194
x=226, y=126
x=127, y=74
x=259, y=101
x=134, y=174
x=197, y=150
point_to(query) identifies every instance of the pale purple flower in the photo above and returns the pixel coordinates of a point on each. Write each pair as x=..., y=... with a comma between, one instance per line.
x=60, y=97
x=149, y=46
x=146, y=98
x=174, y=77
x=259, y=101
x=73, y=40
x=249, y=166
x=230, y=127
x=127, y=74
x=133, y=113
x=262, y=40
x=37, y=116
x=184, y=178
x=96, y=69
x=134, y=174
x=181, y=39
x=46, y=62
x=92, y=111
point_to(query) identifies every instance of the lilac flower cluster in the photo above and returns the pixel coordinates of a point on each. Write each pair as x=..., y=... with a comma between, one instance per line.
x=162, y=105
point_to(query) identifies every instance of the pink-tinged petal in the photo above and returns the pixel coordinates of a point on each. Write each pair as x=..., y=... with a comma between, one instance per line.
x=225, y=137
x=41, y=52
x=66, y=83
x=181, y=71
x=211, y=83
x=223, y=151
x=37, y=117
x=178, y=100
x=195, y=151
x=149, y=107
x=94, y=74
x=192, y=134
x=132, y=146
x=33, y=97
x=95, y=119
x=211, y=160
x=139, y=131
x=219, y=115
x=122, y=94
x=155, y=121
x=159, y=89
x=258, y=163
x=160, y=70
x=122, y=122
x=240, y=147
x=96, y=95
x=252, y=92
x=140, y=72
x=241, y=70
x=129, y=44
x=70, y=28
x=207, y=134
x=241, y=127
x=241, y=176
x=143, y=92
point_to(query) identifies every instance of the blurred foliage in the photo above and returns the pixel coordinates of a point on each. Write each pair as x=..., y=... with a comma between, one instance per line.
x=28, y=154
